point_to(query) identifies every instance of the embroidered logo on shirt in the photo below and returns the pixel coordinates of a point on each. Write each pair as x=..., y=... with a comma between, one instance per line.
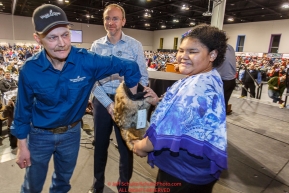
x=50, y=14
x=119, y=53
x=78, y=79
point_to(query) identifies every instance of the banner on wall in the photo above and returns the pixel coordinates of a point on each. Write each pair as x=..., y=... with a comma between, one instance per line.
x=249, y=54
x=240, y=54
x=253, y=54
x=274, y=55
x=285, y=56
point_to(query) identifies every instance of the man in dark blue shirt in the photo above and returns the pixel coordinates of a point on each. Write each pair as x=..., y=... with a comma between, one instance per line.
x=53, y=90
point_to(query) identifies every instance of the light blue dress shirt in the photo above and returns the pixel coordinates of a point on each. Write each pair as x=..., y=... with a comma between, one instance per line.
x=128, y=48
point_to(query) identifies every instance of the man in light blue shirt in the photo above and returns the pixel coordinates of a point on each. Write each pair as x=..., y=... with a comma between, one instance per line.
x=118, y=44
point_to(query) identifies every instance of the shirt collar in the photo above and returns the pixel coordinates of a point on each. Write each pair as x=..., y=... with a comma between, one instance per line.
x=42, y=60
x=122, y=39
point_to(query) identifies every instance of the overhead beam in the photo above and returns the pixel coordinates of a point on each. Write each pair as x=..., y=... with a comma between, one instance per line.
x=13, y=6
x=272, y=10
x=23, y=5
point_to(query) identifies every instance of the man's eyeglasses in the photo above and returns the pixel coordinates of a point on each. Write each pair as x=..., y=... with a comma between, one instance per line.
x=114, y=19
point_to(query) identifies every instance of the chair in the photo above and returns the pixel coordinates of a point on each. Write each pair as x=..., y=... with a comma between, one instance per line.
x=171, y=68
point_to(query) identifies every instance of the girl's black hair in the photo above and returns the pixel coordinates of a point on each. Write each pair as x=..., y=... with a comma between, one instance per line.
x=212, y=38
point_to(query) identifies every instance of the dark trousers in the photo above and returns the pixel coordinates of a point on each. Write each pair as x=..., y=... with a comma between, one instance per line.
x=1, y=123
x=228, y=86
x=12, y=138
x=103, y=124
x=180, y=186
x=251, y=86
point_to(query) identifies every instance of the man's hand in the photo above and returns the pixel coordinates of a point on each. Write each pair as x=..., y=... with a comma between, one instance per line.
x=276, y=88
x=110, y=108
x=23, y=154
x=89, y=108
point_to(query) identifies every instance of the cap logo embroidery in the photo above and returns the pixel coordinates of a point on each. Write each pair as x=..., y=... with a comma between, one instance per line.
x=50, y=14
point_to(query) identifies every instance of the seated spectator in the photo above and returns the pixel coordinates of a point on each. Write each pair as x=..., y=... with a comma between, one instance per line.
x=276, y=87
x=282, y=70
x=1, y=56
x=160, y=67
x=12, y=67
x=1, y=73
x=8, y=83
x=8, y=113
x=27, y=53
x=1, y=119
x=274, y=70
x=20, y=55
x=153, y=65
x=149, y=62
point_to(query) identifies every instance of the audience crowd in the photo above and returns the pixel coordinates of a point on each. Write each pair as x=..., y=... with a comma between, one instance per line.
x=13, y=56
x=156, y=60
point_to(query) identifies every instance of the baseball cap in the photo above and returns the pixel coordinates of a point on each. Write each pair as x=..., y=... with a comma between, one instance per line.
x=47, y=16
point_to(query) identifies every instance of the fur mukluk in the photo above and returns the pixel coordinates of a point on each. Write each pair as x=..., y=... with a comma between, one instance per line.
x=126, y=112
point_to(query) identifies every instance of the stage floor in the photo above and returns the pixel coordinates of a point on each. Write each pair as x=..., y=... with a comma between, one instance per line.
x=258, y=146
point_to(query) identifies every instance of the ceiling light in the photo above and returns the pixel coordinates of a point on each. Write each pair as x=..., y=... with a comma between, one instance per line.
x=163, y=26
x=208, y=13
x=60, y=0
x=66, y=1
x=147, y=15
x=230, y=19
x=184, y=7
x=147, y=24
x=88, y=16
x=1, y=4
x=285, y=5
x=192, y=23
x=176, y=20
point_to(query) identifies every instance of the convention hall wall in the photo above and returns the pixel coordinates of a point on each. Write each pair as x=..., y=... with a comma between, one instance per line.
x=257, y=34
x=23, y=30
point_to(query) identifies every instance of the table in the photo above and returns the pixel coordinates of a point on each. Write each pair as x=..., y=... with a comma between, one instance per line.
x=159, y=81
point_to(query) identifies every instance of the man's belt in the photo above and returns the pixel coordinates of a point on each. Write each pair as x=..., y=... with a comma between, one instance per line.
x=61, y=129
